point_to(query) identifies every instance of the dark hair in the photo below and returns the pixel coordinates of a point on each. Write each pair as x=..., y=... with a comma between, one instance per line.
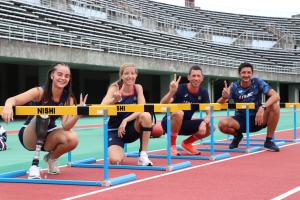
x=47, y=95
x=195, y=67
x=245, y=64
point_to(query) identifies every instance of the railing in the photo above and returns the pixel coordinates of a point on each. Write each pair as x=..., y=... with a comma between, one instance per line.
x=123, y=12
x=35, y=35
x=286, y=39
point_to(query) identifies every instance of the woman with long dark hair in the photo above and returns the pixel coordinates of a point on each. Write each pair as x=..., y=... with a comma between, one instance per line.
x=58, y=140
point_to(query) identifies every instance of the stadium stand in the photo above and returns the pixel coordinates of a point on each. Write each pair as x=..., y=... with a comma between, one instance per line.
x=151, y=29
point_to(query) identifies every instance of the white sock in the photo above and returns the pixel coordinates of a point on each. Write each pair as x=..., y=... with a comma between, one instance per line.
x=143, y=153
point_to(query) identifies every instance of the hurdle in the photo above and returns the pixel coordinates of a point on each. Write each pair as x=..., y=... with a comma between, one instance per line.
x=91, y=163
x=194, y=107
x=249, y=148
x=295, y=138
x=105, y=111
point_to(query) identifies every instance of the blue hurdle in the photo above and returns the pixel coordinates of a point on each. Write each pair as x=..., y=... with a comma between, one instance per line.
x=295, y=138
x=170, y=167
x=11, y=177
x=212, y=155
x=249, y=147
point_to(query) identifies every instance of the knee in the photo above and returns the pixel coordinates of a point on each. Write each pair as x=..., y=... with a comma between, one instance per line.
x=275, y=108
x=72, y=140
x=204, y=130
x=177, y=115
x=116, y=159
x=223, y=126
x=145, y=117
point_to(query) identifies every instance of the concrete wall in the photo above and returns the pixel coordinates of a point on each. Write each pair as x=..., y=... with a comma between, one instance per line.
x=156, y=74
x=38, y=54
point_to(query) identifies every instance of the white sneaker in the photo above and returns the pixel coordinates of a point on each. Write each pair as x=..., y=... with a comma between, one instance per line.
x=34, y=172
x=52, y=164
x=144, y=160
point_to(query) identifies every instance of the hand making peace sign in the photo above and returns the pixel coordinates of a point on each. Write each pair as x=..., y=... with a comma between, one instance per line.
x=226, y=90
x=174, y=84
x=83, y=100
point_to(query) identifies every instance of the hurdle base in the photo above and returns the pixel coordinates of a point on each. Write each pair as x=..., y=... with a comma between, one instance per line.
x=244, y=144
x=219, y=156
x=237, y=150
x=13, y=174
x=169, y=168
x=196, y=157
x=277, y=140
x=12, y=177
x=106, y=183
x=47, y=181
x=178, y=166
x=133, y=167
x=186, y=157
x=119, y=180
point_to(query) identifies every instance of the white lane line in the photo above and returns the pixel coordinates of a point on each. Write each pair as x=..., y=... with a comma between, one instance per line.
x=167, y=174
x=288, y=193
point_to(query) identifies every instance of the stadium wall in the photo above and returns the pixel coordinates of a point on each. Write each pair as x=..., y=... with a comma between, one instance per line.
x=98, y=69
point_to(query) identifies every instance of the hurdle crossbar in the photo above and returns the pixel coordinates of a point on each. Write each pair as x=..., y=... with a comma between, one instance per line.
x=195, y=107
x=144, y=108
x=97, y=110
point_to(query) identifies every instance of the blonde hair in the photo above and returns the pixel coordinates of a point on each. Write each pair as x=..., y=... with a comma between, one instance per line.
x=119, y=82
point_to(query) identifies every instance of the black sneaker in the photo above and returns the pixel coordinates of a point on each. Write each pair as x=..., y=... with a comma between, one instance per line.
x=235, y=141
x=271, y=146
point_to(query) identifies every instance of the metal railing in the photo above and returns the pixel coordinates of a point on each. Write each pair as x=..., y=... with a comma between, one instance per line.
x=123, y=12
x=56, y=38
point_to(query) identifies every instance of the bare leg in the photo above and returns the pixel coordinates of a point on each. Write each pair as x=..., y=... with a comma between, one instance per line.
x=60, y=142
x=115, y=154
x=229, y=126
x=271, y=118
x=144, y=120
x=143, y=125
x=176, y=119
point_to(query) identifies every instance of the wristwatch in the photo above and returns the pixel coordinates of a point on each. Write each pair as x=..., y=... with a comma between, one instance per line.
x=264, y=107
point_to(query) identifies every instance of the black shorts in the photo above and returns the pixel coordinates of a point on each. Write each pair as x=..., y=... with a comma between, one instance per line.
x=21, y=133
x=130, y=136
x=188, y=127
x=252, y=126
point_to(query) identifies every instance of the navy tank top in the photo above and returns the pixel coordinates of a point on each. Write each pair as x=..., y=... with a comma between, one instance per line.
x=115, y=121
x=61, y=102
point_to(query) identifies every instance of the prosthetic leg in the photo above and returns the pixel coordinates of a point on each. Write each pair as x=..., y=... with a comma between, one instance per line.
x=144, y=160
x=41, y=128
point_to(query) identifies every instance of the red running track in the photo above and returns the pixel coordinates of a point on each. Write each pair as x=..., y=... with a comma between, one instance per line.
x=262, y=175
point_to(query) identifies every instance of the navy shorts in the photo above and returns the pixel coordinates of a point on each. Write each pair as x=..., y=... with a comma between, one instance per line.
x=188, y=127
x=21, y=133
x=130, y=136
x=252, y=126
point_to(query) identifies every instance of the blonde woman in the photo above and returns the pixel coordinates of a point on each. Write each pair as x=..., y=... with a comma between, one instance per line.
x=127, y=127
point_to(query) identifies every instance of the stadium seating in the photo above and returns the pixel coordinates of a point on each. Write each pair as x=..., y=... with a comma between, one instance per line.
x=21, y=20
